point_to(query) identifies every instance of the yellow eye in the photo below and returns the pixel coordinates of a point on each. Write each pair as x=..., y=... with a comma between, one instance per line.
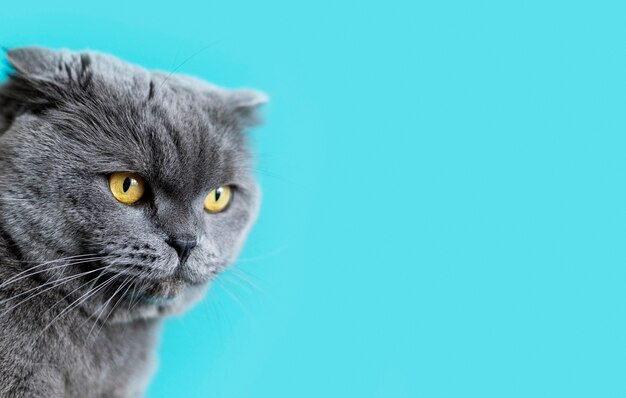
x=126, y=187
x=218, y=199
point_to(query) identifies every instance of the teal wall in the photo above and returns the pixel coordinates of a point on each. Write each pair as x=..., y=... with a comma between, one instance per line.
x=444, y=193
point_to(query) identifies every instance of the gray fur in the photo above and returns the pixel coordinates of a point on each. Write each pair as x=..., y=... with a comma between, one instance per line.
x=84, y=279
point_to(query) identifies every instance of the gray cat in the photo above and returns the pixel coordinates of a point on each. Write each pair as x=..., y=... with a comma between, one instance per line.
x=124, y=192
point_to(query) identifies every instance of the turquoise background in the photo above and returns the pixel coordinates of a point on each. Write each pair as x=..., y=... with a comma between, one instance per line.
x=444, y=193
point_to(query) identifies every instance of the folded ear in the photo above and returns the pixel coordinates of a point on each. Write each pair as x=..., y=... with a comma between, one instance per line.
x=244, y=103
x=41, y=77
x=34, y=61
x=59, y=66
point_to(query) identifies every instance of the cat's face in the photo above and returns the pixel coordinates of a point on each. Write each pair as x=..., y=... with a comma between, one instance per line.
x=87, y=116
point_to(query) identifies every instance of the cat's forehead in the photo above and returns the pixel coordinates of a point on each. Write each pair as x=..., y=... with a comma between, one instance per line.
x=191, y=142
x=175, y=135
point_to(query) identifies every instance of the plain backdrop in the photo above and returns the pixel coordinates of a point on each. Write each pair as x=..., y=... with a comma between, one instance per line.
x=444, y=192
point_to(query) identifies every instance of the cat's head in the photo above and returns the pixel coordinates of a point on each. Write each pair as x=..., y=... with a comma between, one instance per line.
x=140, y=179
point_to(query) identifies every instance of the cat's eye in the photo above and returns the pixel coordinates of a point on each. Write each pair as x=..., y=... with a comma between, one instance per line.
x=218, y=199
x=126, y=187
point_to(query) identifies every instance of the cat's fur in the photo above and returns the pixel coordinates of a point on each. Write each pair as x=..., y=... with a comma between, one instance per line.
x=85, y=279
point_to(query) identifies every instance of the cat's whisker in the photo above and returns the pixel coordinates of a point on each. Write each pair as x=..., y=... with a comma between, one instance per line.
x=13, y=278
x=263, y=256
x=57, y=259
x=169, y=75
x=129, y=282
x=102, y=287
x=256, y=170
x=209, y=311
x=93, y=282
x=245, y=278
x=60, y=259
x=132, y=296
x=55, y=283
x=238, y=282
x=229, y=293
x=77, y=303
x=33, y=273
x=105, y=305
x=144, y=283
x=71, y=263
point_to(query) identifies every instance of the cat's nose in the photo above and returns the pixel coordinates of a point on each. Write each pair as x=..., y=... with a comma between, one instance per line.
x=183, y=246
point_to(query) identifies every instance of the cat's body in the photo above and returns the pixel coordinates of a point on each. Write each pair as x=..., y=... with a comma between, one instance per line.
x=84, y=278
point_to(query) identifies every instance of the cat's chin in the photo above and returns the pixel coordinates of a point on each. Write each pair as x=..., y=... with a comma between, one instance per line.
x=166, y=297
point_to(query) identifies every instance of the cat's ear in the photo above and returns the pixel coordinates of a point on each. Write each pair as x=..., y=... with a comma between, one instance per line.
x=41, y=77
x=33, y=61
x=244, y=103
x=43, y=64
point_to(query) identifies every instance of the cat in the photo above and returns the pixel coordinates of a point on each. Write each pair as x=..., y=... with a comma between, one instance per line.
x=124, y=192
